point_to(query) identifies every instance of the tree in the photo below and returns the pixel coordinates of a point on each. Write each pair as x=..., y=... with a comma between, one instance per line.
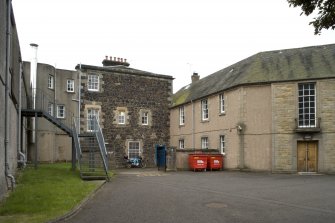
x=325, y=12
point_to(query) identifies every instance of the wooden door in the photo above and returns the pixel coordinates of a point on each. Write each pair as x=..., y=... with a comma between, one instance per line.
x=307, y=157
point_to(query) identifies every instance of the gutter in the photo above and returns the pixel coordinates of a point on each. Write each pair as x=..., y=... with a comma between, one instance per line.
x=8, y=56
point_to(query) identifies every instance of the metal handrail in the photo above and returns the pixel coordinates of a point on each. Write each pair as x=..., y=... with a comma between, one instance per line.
x=43, y=99
x=76, y=141
x=101, y=142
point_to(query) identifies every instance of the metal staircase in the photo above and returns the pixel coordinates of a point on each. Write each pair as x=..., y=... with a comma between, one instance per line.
x=90, y=150
x=41, y=113
x=92, y=154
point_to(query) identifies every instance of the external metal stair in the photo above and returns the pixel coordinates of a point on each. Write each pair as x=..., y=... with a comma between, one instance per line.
x=50, y=118
x=91, y=161
x=89, y=149
x=91, y=155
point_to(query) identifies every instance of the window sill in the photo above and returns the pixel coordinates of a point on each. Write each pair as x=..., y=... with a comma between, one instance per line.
x=222, y=114
x=205, y=121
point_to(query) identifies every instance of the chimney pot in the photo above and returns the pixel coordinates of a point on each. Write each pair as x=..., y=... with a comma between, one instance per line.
x=114, y=61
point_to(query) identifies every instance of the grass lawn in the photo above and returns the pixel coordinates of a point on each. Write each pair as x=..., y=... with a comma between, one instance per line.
x=45, y=193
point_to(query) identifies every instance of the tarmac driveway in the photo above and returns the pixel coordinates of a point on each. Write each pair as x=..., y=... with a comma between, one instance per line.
x=146, y=195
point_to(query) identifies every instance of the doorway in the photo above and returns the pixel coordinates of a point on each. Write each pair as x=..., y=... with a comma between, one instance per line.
x=161, y=157
x=307, y=156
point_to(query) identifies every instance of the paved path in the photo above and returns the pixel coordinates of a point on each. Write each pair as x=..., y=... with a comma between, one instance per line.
x=139, y=195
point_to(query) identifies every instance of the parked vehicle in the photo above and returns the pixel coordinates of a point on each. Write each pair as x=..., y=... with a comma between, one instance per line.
x=134, y=162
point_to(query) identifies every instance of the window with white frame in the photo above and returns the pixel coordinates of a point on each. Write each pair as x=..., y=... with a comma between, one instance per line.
x=93, y=82
x=70, y=85
x=122, y=117
x=51, y=108
x=307, y=105
x=51, y=82
x=181, y=115
x=204, y=109
x=133, y=149
x=145, y=118
x=60, y=111
x=181, y=144
x=222, y=144
x=222, y=108
x=204, y=143
x=91, y=115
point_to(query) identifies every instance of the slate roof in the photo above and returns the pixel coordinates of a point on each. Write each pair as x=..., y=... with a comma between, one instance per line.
x=316, y=62
x=122, y=69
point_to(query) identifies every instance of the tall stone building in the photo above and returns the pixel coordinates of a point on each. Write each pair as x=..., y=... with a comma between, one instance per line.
x=273, y=111
x=14, y=91
x=132, y=107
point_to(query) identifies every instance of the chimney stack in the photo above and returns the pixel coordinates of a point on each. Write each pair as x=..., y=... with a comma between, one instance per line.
x=114, y=61
x=195, y=77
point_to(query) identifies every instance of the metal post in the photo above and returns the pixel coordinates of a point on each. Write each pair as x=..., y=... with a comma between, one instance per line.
x=36, y=141
x=73, y=154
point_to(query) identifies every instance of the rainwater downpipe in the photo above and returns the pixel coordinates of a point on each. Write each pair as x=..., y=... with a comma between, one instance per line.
x=33, y=74
x=79, y=98
x=193, y=137
x=8, y=56
x=21, y=156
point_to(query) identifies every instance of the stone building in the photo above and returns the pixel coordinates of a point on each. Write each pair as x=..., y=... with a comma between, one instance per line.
x=273, y=111
x=14, y=90
x=132, y=107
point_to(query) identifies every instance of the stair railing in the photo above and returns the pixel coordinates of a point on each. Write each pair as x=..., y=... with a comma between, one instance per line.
x=46, y=101
x=76, y=141
x=101, y=142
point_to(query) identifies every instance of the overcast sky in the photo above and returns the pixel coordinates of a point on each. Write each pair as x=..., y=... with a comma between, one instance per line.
x=171, y=37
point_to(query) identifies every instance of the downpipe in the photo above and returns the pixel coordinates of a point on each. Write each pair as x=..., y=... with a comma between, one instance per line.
x=22, y=160
x=8, y=56
x=10, y=176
